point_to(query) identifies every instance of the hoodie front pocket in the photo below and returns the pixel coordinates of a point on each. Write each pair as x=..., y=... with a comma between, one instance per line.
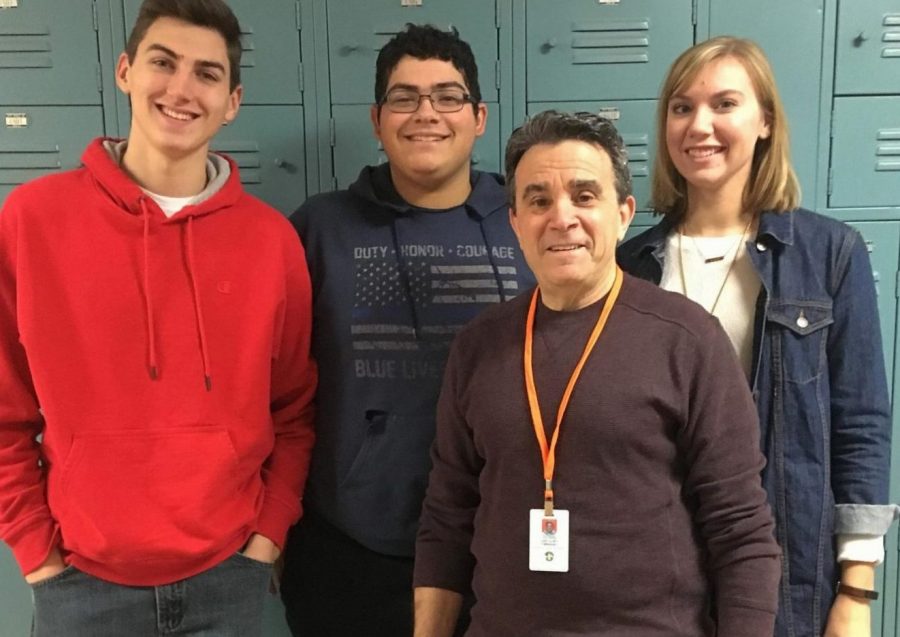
x=161, y=495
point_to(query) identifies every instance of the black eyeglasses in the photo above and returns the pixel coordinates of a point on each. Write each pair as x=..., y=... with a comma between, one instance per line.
x=443, y=100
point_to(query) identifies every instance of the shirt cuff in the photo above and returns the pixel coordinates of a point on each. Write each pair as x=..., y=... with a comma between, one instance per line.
x=856, y=547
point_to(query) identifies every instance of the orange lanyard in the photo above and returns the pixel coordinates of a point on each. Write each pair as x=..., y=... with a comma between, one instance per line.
x=548, y=454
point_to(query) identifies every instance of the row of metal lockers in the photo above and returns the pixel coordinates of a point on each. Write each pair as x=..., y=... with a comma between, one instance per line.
x=308, y=71
x=308, y=74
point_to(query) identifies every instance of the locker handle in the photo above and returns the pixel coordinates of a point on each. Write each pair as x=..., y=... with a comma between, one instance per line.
x=859, y=39
x=350, y=48
x=549, y=44
x=286, y=165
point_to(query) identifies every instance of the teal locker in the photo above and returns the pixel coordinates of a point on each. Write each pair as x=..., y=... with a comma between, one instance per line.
x=355, y=146
x=868, y=48
x=271, y=69
x=267, y=142
x=865, y=153
x=37, y=140
x=589, y=50
x=357, y=29
x=634, y=120
x=800, y=23
x=48, y=52
x=15, y=597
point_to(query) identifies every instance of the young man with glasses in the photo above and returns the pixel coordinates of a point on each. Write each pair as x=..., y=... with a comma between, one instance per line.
x=400, y=262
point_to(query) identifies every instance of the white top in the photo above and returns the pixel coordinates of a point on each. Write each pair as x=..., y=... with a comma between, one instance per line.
x=736, y=305
x=171, y=205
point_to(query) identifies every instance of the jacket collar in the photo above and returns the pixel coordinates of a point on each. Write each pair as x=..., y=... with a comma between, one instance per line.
x=778, y=225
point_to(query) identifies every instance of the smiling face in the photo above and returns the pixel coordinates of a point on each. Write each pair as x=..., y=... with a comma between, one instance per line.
x=712, y=127
x=568, y=221
x=428, y=150
x=178, y=84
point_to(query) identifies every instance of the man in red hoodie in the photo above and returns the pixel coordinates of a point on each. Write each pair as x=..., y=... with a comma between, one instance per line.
x=155, y=330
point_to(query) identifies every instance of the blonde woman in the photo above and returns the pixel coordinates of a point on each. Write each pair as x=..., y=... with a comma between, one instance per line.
x=794, y=291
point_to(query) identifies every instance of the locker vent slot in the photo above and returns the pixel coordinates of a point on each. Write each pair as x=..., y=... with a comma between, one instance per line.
x=19, y=164
x=248, y=46
x=890, y=150
x=25, y=48
x=246, y=156
x=892, y=35
x=638, y=154
x=611, y=42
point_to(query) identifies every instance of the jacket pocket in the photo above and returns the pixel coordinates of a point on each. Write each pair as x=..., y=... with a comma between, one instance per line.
x=165, y=495
x=801, y=327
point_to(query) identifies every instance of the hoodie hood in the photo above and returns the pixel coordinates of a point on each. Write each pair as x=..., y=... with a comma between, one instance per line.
x=374, y=184
x=102, y=159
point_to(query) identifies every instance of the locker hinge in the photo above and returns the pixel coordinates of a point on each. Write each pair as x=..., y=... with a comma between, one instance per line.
x=95, y=17
x=334, y=183
x=99, y=78
x=831, y=125
x=299, y=13
x=897, y=287
x=694, y=11
x=497, y=13
x=300, y=76
x=497, y=67
x=830, y=180
x=332, y=134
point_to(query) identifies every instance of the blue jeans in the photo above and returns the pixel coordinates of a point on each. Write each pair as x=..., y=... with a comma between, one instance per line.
x=225, y=601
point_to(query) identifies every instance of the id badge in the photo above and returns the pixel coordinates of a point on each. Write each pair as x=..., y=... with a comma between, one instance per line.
x=548, y=541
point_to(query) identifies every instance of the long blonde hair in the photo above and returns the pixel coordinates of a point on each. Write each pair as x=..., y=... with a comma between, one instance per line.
x=773, y=184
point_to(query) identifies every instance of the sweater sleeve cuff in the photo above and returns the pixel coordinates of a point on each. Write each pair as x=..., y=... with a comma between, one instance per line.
x=32, y=544
x=864, y=519
x=860, y=548
x=275, y=519
x=446, y=566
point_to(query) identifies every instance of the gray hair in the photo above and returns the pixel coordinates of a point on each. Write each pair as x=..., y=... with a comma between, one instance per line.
x=554, y=127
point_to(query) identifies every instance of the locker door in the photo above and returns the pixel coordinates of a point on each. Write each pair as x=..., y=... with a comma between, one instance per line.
x=634, y=121
x=37, y=140
x=868, y=47
x=267, y=142
x=15, y=596
x=588, y=50
x=48, y=53
x=883, y=242
x=865, y=153
x=772, y=24
x=271, y=70
x=357, y=29
x=354, y=145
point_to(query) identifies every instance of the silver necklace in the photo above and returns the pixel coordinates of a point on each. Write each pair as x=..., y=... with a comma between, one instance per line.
x=736, y=250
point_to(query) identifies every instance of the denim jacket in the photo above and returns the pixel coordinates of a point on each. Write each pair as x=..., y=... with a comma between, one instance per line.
x=818, y=379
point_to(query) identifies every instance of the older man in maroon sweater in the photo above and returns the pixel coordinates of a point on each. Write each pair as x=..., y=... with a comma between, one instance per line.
x=596, y=467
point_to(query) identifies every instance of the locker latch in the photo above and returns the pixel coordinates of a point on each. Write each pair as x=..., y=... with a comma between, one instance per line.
x=410, y=3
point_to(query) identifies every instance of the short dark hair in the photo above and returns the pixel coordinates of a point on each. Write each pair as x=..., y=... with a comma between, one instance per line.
x=425, y=42
x=554, y=127
x=212, y=14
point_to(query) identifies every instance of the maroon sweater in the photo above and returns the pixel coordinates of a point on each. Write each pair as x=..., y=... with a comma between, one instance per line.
x=658, y=463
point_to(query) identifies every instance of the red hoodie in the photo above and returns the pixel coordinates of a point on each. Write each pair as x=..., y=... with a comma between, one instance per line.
x=167, y=364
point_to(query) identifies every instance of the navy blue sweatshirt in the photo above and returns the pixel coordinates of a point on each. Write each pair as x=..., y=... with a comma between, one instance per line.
x=392, y=285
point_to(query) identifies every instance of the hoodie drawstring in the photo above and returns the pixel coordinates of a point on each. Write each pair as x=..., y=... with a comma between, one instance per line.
x=148, y=297
x=198, y=309
x=404, y=279
x=493, y=263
